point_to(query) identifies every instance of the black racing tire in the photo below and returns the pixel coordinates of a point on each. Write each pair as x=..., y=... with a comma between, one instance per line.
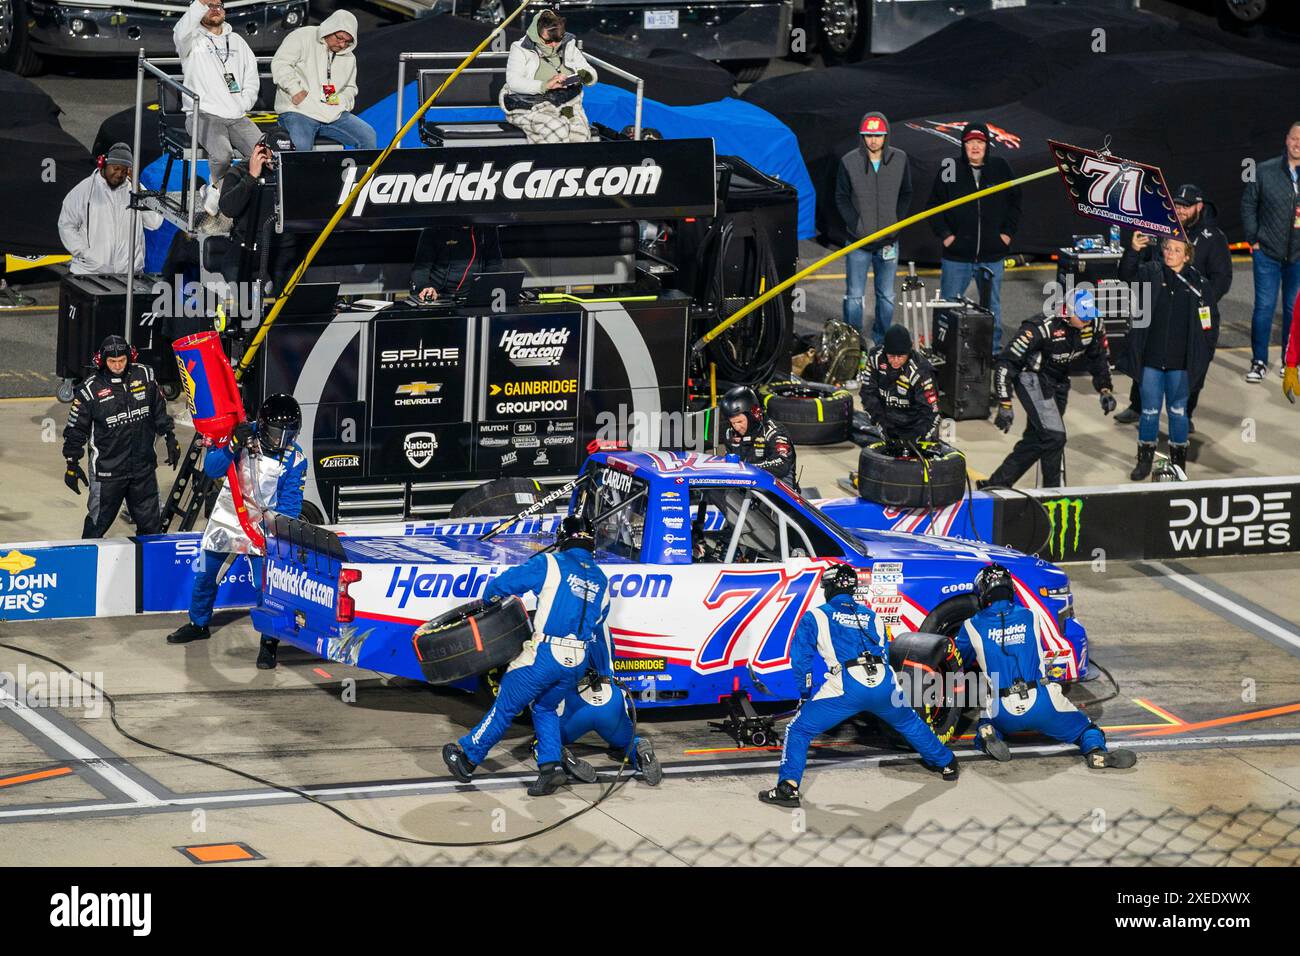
x=16, y=53
x=812, y=413
x=311, y=514
x=498, y=498
x=170, y=390
x=471, y=640
x=929, y=670
x=937, y=482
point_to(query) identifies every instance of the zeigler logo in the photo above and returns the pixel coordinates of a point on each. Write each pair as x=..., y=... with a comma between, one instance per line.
x=486, y=183
x=341, y=461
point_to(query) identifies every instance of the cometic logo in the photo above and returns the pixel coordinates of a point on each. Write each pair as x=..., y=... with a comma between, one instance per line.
x=299, y=584
x=487, y=184
x=1066, y=516
x=533, y=349
x=1216, y=523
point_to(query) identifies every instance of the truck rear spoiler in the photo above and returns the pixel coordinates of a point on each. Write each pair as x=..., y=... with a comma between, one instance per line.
x=289, y=539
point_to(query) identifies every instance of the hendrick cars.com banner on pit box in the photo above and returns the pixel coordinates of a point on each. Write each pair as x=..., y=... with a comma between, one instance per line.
x=646, y=179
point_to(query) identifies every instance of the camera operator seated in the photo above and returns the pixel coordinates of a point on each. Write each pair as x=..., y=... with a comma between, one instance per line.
x=448, y=257
x=545, y=75
x=898, y=391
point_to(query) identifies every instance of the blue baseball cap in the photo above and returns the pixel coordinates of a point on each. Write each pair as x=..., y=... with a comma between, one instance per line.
x=1083, y=304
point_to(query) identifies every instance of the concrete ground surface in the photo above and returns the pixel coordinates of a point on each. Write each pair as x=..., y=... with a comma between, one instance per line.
x=1208, y=694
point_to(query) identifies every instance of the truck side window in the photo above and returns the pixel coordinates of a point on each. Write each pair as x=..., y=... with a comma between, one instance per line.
x=616, y=506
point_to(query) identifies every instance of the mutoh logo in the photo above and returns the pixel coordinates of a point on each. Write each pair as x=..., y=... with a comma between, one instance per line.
x=1227, y=521
x=533, y=349
x=1066, y=517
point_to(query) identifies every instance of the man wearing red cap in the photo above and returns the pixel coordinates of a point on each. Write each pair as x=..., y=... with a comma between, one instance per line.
x=873, y=189
x=976, y=236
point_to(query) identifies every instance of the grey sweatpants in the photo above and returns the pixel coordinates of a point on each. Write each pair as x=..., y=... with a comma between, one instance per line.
x=220, y=137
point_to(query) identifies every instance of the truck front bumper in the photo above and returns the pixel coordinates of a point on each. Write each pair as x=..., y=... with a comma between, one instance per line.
x=70, y=29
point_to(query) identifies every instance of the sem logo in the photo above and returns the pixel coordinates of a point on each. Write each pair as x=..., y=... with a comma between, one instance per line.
x=1066, y=516
x=420, y=447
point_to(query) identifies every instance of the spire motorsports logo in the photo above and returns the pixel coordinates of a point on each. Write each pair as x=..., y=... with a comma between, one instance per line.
x=1065, y=516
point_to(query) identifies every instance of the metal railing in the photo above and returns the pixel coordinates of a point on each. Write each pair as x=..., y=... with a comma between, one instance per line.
x=605, y=65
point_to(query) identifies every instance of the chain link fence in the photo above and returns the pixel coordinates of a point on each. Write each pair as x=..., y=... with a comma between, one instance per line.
x=1251, y=836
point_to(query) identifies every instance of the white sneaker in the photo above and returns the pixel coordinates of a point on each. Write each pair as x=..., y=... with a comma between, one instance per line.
x=1257, y=372
x=211, y=199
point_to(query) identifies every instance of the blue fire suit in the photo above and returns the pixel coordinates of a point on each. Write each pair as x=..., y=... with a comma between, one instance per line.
x=604, y=709
x=568, y=627
x=839, y=632
x=1004, y=639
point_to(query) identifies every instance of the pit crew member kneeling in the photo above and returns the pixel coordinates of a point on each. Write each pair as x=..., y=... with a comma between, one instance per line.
x=572, y=604
x=1037, y=365
x=754, y=438
x=1004, y=638
x=273, y=471
x=898, y=390
x=848, y=638
x=598, y=703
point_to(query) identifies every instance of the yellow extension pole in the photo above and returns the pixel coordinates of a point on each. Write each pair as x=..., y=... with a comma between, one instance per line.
x=251, y=352
x=776, y=290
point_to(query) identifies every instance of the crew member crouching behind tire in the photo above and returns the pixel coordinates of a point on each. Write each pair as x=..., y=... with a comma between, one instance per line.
x=599, y=704
x=1003, y=636
x=572, y=604
x=848, y=638
x=275, y=469
x=754, y=438
x=898, y=390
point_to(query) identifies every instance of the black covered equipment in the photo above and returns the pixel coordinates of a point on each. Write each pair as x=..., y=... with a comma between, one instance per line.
x=963, y=362
x=471, y=639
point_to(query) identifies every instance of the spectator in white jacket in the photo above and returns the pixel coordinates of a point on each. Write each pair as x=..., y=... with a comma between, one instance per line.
x=545, y=76
x=315, y=75
x=221, y=68
x=95, y=222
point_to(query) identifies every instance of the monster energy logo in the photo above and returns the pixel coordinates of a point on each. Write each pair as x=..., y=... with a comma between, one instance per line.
x=1064, y=514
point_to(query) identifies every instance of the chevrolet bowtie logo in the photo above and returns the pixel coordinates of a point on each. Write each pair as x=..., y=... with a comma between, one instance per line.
x=15, y=562
x=419, y=388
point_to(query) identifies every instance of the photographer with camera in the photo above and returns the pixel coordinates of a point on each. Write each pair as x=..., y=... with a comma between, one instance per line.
x=545, y=75
x=255, y=252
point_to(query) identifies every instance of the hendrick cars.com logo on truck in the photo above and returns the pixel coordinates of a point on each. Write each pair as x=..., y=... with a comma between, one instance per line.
x=299, y=584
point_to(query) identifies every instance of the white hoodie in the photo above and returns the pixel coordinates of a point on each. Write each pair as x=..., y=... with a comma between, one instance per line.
x=207, y=57
x=95, y=226
x=304, y=64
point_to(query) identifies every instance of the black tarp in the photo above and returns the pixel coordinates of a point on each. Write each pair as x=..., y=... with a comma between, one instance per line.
x=41, y=163
x=1195, y=103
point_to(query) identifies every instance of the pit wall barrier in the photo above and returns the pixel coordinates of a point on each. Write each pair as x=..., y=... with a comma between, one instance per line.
x=116, y=577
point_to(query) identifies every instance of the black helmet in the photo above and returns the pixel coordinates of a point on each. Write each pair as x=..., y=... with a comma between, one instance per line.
x=740, y=400
x=575, y=532
x=278, y=422
x=841, y=579
x=113, y=347
x=993, y=584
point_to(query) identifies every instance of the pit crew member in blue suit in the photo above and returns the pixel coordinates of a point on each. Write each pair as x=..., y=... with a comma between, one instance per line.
x=1004, y=638
x=572, y=604
x=275, y=469
x=846, y=637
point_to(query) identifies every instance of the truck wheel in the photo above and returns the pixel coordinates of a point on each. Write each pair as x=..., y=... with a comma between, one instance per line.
x=499, y=498
x=843, y=29
x=311, y=514
x=908, y=483
x=16, y=53
x=929, y=670
x=813, y=413
x=470, y=640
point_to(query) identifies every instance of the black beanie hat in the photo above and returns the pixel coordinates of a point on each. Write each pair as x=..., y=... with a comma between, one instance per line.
x=897, y=341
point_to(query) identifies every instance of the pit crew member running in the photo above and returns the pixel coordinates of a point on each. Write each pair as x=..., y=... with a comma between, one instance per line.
x=754, y=438
x=572, y=604
x=847, y=636
x=1004, y=638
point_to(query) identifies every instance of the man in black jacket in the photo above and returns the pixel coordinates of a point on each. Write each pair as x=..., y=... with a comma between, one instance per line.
x=976, y=236
x=898, y=390
x=119, y=412
x=1270, y=215
x=753, y=437
x=1213, y=261
x=873, y=189
x=448, y=257
x=255, y=252
x=1036, y=366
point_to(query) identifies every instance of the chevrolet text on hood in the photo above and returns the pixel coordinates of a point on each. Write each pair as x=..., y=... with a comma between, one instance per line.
x=488, y=181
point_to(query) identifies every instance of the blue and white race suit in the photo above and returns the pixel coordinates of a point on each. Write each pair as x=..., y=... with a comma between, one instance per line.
x=1004, y=639
x=835, y=636
x=568, y=626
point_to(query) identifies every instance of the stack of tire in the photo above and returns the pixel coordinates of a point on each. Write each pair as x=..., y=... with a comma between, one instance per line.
x=812, y=413
x=498, y=498
x=934, y=480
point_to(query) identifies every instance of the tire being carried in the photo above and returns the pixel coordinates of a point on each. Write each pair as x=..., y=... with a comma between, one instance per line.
x=935, y=482
x=812, y=413
x=929, y=672
x=470, y=640
x=497, y=499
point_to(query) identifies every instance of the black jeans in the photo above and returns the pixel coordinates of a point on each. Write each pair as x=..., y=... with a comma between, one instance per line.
x=1044, y=439
x=141, y=497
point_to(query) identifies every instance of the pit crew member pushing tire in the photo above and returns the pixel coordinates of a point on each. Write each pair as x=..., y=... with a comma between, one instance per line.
x=271, y=463
x=754, y=438
x=848, y=638
x=1004, y=638
x=568, y=630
